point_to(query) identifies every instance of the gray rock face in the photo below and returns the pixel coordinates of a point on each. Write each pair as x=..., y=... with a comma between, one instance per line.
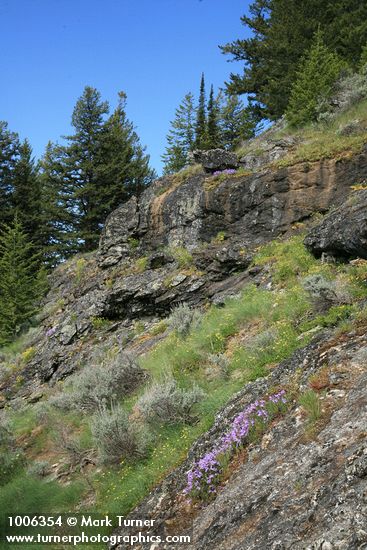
x=343, y=233
x=291, y=491
x=215, y=159
x=250, y=208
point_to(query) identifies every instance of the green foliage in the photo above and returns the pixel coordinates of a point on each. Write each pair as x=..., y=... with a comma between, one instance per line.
x=166, y=403
x=183, y=319
x=363, y=58
x=180, y=138
x=237, y=123
x=279, y=33
x=11, y=458
x=25, y=494
x=201, y=118
x=310, y=401
x=99, y=384
x=181, y=255
x=213, y=127
x=102, y=165
x=116, y=436
x=21, y=283
x=319, y=70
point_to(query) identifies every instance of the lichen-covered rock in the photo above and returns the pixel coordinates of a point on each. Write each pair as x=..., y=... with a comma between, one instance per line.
x=215, y=159
x=343, y=233
x=293, y=490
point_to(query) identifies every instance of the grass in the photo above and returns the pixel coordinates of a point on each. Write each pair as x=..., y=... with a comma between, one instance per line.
x=317, y=141
x=322, y=141
x=256, y=330
x=311, y=404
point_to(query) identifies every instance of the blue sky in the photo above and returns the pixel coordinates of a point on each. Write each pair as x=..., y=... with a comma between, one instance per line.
x=154, y=50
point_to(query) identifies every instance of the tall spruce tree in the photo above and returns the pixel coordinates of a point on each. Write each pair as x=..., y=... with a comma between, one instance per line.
x=57, y=233
x=20, y=284
x=82, y=164
x=213, y=131
x=281, y=32
x=125, y=165
x=26, y=196
x=9, y=154
x=318, y=72
x=102, y=165
x=237, y=122
x=181, y=136
x=201, y=120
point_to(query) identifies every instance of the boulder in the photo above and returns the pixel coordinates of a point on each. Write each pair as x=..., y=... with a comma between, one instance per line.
x=215, y=159
x=343, y=233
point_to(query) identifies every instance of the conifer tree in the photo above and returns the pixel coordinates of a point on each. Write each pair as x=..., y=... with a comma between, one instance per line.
x=57, y=234
x=125, y=165
x=181, y=136
x=26, y=196
x=213, y=133
x=237, y=122
x=9, y=153
x=20, y=284
x=201, y=120
x=319, y=70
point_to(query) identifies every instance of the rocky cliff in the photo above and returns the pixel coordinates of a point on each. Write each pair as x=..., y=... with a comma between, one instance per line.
x=188, y=238
x=194, y=238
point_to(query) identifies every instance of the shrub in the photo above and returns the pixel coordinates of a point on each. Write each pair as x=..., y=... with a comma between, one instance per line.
x=183, y=319
x=321, y=290
x=116, y=437
x=181, y=255
x=39, y=469
x=220, y=362
x=347, y=91
x=99, y=384
x=11, y=458
x=166, y=403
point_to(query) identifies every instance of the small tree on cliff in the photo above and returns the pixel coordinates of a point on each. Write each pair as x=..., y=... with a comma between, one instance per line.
x=180, y=138
x=319, y=70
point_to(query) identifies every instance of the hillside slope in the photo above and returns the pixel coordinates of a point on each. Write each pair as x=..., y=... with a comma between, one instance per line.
x=263, y=315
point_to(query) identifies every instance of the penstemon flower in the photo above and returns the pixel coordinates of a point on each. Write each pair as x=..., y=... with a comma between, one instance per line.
x=204, y=477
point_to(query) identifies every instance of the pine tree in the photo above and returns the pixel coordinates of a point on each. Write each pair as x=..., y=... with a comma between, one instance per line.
x=281, y=32
x=57, y=235
x=125, y=165
x=201, y=121
x=237, y=122
x=26, y=196
x=81, y=167
x=363, y=58
x=9, y=154
x=319, y=70
x=20, y=285
x=181, y=136
x=213, y=133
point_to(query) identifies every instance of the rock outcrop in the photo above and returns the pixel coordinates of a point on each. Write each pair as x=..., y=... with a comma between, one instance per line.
x=139, y=274
x=343, y=233
x=295, y=489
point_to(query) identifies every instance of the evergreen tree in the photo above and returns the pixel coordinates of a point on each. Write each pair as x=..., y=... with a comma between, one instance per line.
x=363, y=58
x=181, y=136
x=125, y=165
x=201, y=122
x=281, y=33
x=213, y=133
x=57, y=235
x=237, y=123
x=319, y=70
x=26, y=196
x=82, y=167
x=9, y=153
x=20, y=285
